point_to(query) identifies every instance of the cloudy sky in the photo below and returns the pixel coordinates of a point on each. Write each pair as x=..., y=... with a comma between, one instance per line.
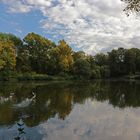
x=89, y=25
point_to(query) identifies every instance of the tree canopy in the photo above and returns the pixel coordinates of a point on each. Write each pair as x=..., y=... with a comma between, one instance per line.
x=39, y=55
x=7, y=55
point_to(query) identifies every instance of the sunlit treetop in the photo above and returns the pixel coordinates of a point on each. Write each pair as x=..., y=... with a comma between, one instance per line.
x=133, y=6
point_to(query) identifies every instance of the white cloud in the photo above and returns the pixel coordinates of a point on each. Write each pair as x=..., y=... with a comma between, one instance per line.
x=91, y=25
x=97, y=121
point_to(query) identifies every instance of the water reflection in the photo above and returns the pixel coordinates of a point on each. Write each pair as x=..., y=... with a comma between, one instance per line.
x=49, y=108
x=21, y=132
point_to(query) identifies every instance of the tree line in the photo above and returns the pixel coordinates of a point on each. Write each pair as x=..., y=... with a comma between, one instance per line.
x=42, y=56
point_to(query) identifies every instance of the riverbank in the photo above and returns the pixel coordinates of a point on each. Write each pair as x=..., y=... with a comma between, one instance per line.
x=36, y=77
x=45, y=77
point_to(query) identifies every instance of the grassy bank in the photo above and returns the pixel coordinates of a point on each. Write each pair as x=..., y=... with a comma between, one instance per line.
x=34, y=77
x=41, y=77
x=61, y=77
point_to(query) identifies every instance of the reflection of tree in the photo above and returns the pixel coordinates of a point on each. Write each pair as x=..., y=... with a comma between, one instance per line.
x=21, y=131
x=125, y=95
x=119, y=94
x=6, y=114
x=59, y=101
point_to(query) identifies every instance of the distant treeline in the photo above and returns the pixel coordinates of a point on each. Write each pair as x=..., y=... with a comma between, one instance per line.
x=37, y=54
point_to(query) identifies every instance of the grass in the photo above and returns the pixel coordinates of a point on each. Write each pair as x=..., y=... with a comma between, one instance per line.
x=39, y=77
x=44, y=77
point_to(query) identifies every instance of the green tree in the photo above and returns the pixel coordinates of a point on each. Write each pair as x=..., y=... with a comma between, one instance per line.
x=101, y=59
x=116, y=62
x=132, y=60
x=82, y=68
x=79, y=55
x=38, y=49
x=83, y=64
x=130, y=64
x=23, y=60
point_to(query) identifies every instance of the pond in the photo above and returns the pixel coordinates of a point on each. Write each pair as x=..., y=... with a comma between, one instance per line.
x=98, y=110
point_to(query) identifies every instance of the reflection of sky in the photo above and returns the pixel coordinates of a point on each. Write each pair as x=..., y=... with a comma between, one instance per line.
x=12, y=132
x=95, y=120
x=91, y=121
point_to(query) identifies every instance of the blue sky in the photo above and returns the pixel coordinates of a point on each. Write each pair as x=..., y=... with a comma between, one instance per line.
x=89, y=25
x=20, y=23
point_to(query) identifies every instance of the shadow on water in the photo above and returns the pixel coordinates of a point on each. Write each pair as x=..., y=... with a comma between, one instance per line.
x=38, y=102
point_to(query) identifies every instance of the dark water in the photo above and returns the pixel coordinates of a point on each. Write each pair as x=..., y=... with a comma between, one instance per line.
x=70, y=111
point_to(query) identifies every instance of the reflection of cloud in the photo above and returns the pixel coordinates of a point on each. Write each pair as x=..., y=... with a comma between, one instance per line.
x=98, y=121
x=91, y=25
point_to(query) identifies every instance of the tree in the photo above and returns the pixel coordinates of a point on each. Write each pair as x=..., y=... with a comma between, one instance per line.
x=116, y=62
x=11, y=37
x=62, y=57
x=82, y=64
x=130, y=64
x=101, y=59
x=82, y=68
x=102, y=68
x=15, y=41
x=7, y=56
x=132, y=60
x=38, y=49
x=23, y=60
x=79, y=55
x=132, y=6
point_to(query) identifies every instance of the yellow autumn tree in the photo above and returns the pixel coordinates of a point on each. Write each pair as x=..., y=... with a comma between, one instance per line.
x=63, y=54
x=7, y=56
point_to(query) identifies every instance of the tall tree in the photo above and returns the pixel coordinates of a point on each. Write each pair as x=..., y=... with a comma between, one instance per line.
x=116, y=62
x=38, y=48
x=132, y=60
x=62, y=55
x=82, y=68
x=82, y=64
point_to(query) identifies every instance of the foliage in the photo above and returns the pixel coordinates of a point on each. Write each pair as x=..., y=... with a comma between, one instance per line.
x=81, y=68
x=12, y=38
x=101, y=59
x=7, y=55
x=132, y=6
x=63, y=56
x=116, y=62
x=37, y=51
x=36, y=54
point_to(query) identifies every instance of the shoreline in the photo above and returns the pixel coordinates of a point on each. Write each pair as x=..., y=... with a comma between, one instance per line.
x=45, y=77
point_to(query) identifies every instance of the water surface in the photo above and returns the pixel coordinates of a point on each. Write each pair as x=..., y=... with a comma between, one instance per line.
x=101, y=110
